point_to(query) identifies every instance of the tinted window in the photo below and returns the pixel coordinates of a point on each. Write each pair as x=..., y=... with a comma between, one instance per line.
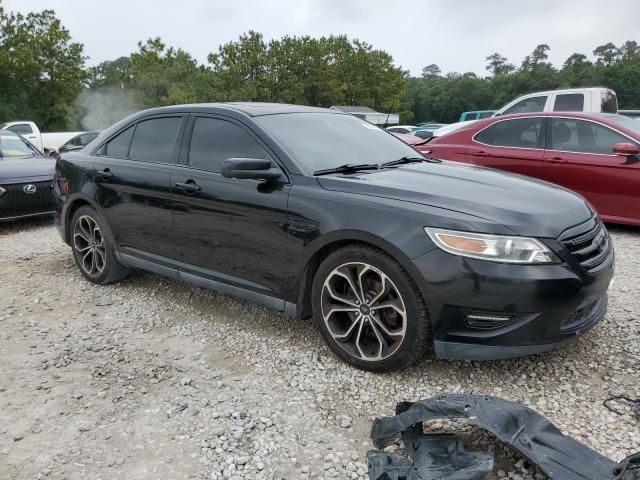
x=118, y=146
x=570, y=102
x=325, y=140
x=155, y=140
x=583, y=136
x=214, y=141
x=609, y=102
x=520, y=132
x=22, y=129
x=471, y=116
x=533, y=104
x=486, y=114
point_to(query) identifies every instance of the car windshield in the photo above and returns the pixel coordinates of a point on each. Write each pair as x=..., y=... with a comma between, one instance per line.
x=319, y=141
x=14, y=146
x=626, y=122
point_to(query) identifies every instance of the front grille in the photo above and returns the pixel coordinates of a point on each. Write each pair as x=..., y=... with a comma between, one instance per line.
x=585, y=316
x=16, y=203
x=589, y=244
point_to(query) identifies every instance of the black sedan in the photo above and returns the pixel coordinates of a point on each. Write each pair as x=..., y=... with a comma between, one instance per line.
x=26, y=179
x=317, y=213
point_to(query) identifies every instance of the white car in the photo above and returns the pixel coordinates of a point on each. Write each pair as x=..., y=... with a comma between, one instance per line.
x=589, y=100
x=45, y=142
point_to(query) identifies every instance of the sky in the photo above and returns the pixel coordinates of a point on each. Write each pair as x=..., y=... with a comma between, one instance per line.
x=457, y=35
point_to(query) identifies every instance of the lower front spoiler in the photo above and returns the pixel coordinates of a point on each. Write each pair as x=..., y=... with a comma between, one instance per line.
x=465, y=351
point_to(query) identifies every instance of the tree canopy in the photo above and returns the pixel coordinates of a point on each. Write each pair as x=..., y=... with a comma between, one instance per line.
x=44, y=77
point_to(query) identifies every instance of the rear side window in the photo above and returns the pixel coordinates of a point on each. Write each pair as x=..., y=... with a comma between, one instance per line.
x=519, y=132
x=532, y=104
x=486, y=115
x=21, y=129
x=583, y=136
x=569, y=102
x=155, y=140
x=609, y=102
x=118, y=146
x=214, y=141
x=470, y=116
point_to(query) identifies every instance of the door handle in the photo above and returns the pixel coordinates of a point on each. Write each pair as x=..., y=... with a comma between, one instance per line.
x=188, y=187
x=481, y=153
x=103, y=175
x=557, y=160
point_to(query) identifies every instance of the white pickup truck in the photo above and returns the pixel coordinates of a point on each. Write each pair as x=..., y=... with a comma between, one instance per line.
x=590, y=100
x=45, y=142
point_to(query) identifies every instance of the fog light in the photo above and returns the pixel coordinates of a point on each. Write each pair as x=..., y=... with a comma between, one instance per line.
x=487, y=320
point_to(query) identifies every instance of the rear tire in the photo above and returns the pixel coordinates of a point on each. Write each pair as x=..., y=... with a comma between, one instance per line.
x=368, y=309
x=94, y=248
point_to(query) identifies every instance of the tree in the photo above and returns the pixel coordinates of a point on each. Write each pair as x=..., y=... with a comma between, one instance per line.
x=498, y=65
x=607, y=54
x=431, y=71
x=41, y=69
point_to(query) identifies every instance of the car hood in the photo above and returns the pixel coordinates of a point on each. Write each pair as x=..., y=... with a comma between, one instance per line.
x=526, y=206
x=15, y=170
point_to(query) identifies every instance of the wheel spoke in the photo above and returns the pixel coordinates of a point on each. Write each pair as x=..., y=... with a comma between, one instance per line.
x=339, y=298
x=382, y=306
x=382, y=292
x=383, y=342
x=347, y=334
x=380, y=324
x=351, y=281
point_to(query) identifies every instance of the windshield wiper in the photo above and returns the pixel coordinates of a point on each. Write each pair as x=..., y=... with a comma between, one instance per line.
x=405, y=160
x=347, y=168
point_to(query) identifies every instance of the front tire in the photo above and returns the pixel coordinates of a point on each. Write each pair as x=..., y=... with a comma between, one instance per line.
x=94, y=248
x=368, y=309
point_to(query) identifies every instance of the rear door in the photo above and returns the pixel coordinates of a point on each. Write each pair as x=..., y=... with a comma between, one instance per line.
x=515, y=145
x=228, y=230
x=580, y=157
x=132, y=178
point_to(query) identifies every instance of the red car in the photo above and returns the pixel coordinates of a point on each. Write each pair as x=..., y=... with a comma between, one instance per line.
x=596, y=155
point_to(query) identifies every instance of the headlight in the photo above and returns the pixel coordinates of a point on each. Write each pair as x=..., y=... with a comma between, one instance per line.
x=2, y=191
x=495, y=248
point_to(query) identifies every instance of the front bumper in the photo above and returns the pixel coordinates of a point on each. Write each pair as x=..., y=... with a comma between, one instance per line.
x=546, y=305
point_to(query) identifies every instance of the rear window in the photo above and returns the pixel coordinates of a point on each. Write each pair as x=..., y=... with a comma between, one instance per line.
x=569, y=102
x=528, y=105
x=155, y=140
x=609, y=102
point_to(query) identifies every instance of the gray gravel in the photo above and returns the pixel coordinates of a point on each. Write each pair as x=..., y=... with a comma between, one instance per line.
x=153, y=378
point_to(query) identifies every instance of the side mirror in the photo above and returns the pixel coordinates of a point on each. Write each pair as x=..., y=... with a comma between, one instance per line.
x=255, y=168
x=626, y=148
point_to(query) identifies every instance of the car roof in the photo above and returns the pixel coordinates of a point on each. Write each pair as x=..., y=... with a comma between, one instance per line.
x=252, y=109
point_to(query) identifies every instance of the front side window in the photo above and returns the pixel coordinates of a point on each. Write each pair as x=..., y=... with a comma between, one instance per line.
x=11, y=146
x=583, y=137
x=319, y=141
x=21, y=129
x=154, y=140
x=532, y=104
x=214, y=141
x=570, y=102
x=519, y=132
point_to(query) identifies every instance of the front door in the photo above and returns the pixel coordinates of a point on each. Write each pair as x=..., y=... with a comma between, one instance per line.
x=133, y=183
x=515, y=145
x=580, y=158
x=229, y=230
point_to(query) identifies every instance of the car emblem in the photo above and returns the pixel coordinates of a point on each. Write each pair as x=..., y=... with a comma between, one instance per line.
x=29, y=189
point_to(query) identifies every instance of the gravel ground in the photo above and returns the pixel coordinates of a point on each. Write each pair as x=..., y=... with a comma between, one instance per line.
x=152, y=378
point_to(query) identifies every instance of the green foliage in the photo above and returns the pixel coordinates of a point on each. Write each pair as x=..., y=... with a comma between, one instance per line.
x=41, y=69
x=43, y=76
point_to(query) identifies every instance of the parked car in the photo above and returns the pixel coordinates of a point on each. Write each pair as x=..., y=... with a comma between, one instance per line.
x=317, y=213
x=593, y=100
x=476, y=115
x=405, y=129
x=26, y=178
x=45, y=142
x=79, y=141
x=596, y=155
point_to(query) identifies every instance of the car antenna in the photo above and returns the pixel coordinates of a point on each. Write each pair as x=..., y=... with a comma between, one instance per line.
x=386, y=121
